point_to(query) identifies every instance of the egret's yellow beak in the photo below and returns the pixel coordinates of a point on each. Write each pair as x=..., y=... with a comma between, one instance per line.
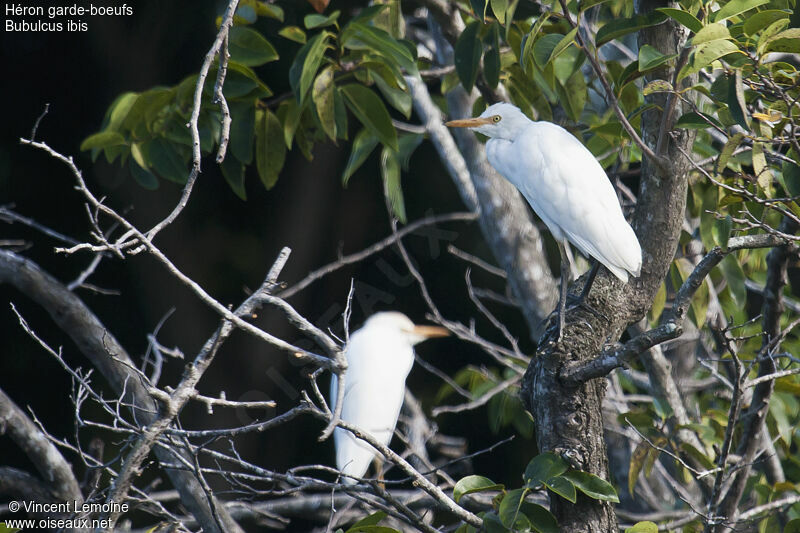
x=429, y=332
x=468, y=122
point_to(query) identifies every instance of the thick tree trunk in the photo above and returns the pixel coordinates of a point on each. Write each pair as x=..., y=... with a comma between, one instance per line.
x=568, y=419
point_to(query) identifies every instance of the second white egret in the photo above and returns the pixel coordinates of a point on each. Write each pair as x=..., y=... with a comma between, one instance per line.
x=565, y=186
x=379, y=357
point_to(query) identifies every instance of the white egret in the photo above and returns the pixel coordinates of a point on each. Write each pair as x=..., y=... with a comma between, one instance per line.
x=379, y=358
x=565, y=186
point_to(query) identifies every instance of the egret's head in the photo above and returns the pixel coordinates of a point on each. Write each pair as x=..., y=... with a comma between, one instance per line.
x=502, y=120
x=395, y=323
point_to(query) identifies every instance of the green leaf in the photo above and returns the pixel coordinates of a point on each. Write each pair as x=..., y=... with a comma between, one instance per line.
x=721, y=231
x=118, y=110
x=734, y=7
x=760, y=168
x=657, y=86
x=293, y=33
x=791, y=178
x=707, y=53
x=682, y=17
x=758, y=21
x=143, y=177
x=499, y=8
x=586, y=4
x=249, y=47
x=322, y=95
x=358, y=36
x=371, y=520
x=541, y=520
x=470, y=484
x=562, y=486
x=695, y=121
x=363, y=145
x=510, y=506
x=573, y=95
x=479, y=8
x=543, y=467
x=340, y=115
x=397, y=98
x=390, y=170
x=6, y=529
x=787, y=41
x=306, y=64
x=643, y=527
x=727, y=151
x=793, y=526
x=592, y=486
x=563, y=44
x=637, y=463
x=618, y=27
x=711, y=32
x=104, y=139
x=491, y=60
x=659, y=302
x=735, y=100
x=650, y=58
x=138, y=155
x=166, y=161
x=370, y=111
x=243, y=116
x=468, y=55
x=735, y=279
x=544, y=47
x=315, y=20
x=233, y=172
x=270, y=147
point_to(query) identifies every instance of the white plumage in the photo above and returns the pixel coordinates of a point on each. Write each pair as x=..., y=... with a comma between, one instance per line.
x=563, y=183
x=379, y=358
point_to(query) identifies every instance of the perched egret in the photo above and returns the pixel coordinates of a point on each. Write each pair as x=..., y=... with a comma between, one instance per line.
x=379, y=358
x=565, y=186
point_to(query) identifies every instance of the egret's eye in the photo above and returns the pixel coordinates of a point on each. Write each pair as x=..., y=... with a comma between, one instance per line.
x=496, y=118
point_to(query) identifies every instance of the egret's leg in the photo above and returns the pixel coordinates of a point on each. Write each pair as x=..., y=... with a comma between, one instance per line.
x=580, y=300
x=589, y=281
x=562, y=300
x=377, y=463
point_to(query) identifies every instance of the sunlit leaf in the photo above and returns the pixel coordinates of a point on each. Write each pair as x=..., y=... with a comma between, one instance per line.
x=682, y=17
x=103, y=139
x=734, y=7
x=470, y=484
x=315, y=20
x=306, y=64
x=592, y=486
x=711, y=32
x=293, y=33
x=643, y=527
x=758, y=21
x=322, y=94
